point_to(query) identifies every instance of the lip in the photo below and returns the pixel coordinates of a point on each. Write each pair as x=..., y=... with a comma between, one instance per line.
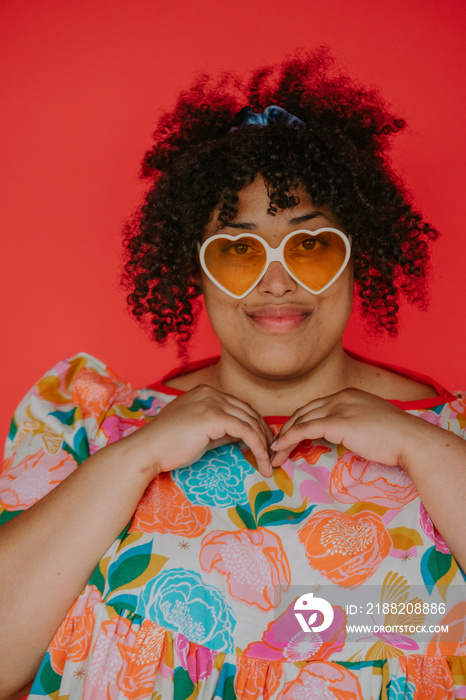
x=279, y=318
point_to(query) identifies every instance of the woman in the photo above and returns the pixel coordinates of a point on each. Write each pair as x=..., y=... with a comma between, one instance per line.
x=204, y=507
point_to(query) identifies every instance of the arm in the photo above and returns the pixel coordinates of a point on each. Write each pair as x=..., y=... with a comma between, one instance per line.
x=371, y=427
x=48, y=552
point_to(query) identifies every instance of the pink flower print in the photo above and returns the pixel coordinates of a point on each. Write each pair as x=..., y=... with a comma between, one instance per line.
x=357, y=480
x=431, y=417
x=109, y=660
x=115, y=427
x=431, y=531
x=284, y=640
x=253, y=561
x=316, y=489
x=33, y=477
x=197, y=660
x=323, y=680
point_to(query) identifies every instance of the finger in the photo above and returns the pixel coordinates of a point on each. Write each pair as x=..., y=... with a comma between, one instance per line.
x=303, y=411
x=303, y=430
x=278, y=458
x=234, y=401
x=237, y=428
x=255, y=420
x=319, y=412
x=234, y=422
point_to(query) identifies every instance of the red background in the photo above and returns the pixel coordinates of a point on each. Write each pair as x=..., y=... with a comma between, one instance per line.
x=85, y=82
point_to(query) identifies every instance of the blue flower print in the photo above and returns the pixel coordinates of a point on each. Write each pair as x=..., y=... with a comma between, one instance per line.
x=179, y=600
x=217, y=479
x=400, y=689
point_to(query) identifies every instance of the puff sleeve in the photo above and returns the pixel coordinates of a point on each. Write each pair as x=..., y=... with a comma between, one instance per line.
x=54, y=429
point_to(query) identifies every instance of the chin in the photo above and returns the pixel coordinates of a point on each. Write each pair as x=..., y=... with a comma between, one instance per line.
x=277, y=366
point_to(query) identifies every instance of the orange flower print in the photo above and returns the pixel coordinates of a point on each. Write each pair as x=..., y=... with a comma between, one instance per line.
x=93, y=392
x=72, y=640
x=110, y=657
x=165, y=508
x=324, y=680
x=143, y=661
x=356, y=480
x=256, y=678
x=310, y=450
x=253, y=561
x=347, y=549
x=33, y=477
x=430, y=675
x=455, y=620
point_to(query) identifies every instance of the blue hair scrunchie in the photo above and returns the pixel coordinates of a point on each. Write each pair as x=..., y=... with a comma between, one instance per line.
x=271, y=115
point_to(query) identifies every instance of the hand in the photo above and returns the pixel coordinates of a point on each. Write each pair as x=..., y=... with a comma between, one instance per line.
x=200, y=420
x=364, y=423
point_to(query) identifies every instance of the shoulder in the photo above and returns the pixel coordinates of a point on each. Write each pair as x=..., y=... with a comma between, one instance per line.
x=81, y=380
x=75, y=392
x=392, y=383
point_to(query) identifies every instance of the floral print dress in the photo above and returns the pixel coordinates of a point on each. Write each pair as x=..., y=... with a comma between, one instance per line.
x=195, y=599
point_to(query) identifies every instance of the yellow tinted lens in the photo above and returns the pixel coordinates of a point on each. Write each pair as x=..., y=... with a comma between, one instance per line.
x=236, y=264
x=315, y=260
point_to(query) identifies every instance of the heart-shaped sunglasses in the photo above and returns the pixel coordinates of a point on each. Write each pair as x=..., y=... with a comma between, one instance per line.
x=314, y=259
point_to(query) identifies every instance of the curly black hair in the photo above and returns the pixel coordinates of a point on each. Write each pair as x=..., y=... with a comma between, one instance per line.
x=198, y=163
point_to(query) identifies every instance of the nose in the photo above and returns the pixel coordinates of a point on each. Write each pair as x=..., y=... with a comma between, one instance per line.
x=276, y=280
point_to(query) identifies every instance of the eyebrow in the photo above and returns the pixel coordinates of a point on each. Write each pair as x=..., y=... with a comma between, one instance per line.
x=248, y=226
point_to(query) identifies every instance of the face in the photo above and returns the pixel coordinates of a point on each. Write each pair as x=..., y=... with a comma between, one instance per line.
x=279, y=330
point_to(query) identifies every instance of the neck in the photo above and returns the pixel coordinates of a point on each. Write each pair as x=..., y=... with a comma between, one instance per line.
x=283, y=395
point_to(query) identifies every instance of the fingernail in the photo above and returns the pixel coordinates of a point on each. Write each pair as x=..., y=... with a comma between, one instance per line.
x=273, y=444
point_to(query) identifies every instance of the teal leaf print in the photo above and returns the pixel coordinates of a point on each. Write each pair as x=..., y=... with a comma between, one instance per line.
x=141, y=404
x=228, y=689
x=80, y=448
x=266, y=498
x=247, y=517
x=225, y=689
x=182, y=684
x=123, y=602
x=265, y=513
x=434, y=565
x=65, y=417
x=8, y=515
x=47, y=681
x=129, y=566
x=13, y=429
x=97, y=579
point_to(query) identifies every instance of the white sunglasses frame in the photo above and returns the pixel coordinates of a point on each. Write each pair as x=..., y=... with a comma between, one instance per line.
x=274, y=255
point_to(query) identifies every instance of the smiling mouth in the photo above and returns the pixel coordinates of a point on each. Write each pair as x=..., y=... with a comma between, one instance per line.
x=279, y=320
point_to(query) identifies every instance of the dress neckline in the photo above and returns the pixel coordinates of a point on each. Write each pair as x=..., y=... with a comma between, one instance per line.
x=444, y=396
